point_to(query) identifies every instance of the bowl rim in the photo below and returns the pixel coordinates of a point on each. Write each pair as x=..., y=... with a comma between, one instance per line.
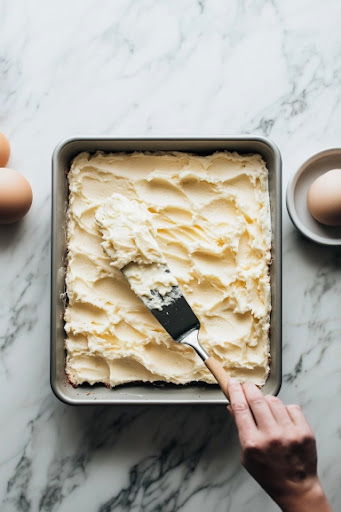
x=290, y=202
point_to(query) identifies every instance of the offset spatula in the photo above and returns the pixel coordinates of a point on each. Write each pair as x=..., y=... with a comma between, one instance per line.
x=174, y=313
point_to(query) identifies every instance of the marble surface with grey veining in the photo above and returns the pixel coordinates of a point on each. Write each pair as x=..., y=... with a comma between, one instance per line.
x=160, y=67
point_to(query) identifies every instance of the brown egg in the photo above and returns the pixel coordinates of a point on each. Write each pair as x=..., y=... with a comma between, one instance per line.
x=324, y=198
x=15, y=196
x=4, y=150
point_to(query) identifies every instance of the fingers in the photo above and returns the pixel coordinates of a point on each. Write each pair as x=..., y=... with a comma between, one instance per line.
x=279, y=411
x=253, y=412
x=244, y=420
x=259, y=407
x=298, y=417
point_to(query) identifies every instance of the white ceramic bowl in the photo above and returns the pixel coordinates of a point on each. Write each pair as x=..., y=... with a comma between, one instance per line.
x=296, y=199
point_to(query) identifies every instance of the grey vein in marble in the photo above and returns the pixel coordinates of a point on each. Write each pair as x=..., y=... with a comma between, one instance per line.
x=180, y=67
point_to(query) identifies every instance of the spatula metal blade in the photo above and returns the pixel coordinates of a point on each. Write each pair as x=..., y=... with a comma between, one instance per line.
x=173, y=311
x=177, y=318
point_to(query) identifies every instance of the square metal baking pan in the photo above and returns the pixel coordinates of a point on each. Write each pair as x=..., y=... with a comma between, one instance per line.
x=148, y=393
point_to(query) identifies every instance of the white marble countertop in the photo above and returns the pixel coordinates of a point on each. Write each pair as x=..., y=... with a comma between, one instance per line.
x=179, y=67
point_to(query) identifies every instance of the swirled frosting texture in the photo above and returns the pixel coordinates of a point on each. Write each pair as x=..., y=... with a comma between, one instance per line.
x=126, y=228
x=211, y=218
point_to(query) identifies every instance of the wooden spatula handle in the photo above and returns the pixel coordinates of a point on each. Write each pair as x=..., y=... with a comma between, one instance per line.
x=220, y=374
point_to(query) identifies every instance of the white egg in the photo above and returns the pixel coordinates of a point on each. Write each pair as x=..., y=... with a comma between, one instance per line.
x=324, y=198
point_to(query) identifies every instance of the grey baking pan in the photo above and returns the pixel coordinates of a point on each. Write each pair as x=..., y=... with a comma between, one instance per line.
x=147, y=393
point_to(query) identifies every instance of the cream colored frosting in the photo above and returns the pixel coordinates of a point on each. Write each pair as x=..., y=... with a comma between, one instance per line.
x=130, y=242
x=210, y=216
x=127, y=232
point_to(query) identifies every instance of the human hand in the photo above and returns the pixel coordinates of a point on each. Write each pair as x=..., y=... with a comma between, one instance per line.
x=278, y=448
